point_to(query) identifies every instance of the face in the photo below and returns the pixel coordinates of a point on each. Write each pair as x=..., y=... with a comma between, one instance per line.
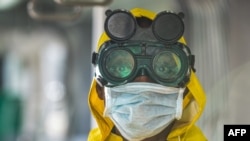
x=143, y=22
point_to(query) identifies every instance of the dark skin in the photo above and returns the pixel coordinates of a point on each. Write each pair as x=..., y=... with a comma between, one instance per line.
x=159, y=137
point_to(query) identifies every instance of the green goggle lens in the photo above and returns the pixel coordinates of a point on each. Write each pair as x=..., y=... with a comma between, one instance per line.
x=119, y=63
x=167, y=65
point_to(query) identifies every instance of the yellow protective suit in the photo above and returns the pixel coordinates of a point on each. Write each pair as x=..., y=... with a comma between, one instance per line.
x=183, y=130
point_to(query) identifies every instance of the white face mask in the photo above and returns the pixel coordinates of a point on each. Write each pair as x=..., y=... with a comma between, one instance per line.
x=140, y=110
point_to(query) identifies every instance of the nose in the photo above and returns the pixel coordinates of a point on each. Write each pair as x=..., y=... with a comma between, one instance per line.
x=143, y=76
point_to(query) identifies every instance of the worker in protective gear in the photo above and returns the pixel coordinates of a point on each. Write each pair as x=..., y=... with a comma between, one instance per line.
x=145, y=87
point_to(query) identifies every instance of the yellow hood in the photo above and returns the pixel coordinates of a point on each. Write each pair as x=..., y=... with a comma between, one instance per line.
x=193, y=104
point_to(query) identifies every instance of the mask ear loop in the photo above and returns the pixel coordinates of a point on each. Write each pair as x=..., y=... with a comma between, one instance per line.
x=168, y=27
x=108, y=103
x=179, y=104
x=120, y=24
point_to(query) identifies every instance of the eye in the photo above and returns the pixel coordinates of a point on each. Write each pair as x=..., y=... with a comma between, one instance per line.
x=119, y=63
x=166, y=65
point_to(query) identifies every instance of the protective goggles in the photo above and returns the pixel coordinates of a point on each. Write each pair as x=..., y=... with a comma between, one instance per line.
x=120, y=63
x=120, y=25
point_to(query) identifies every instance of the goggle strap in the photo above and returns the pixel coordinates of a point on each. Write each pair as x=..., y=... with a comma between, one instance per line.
x=184, y=82
x=192, y=61
x=101, y=81
x=94, y=58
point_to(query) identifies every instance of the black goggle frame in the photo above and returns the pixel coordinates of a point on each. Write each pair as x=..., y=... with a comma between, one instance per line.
x=143, y=62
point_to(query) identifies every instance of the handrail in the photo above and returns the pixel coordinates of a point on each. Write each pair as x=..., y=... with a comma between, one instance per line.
x=83, y=2
x=34, y=10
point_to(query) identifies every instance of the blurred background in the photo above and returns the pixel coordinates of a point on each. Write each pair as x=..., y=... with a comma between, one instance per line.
x=46, y=71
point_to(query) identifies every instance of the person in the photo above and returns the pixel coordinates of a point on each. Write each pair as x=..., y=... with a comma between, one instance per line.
x=145, y=87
